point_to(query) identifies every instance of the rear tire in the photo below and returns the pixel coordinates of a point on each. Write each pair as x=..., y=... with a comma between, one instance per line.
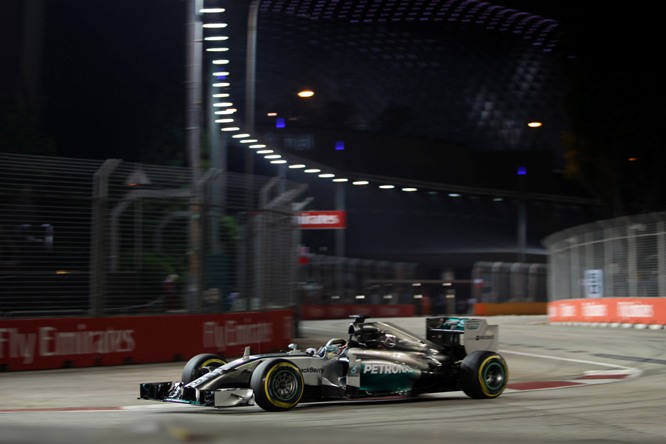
x=483, y=374
x=277, y=385
x=200, y=365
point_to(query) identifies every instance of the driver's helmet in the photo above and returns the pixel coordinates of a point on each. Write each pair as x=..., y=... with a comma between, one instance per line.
x=334, y=347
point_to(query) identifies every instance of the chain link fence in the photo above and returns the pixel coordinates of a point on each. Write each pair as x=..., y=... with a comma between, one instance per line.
x=622, y=257
x=498, y=282
x=86, y=237
x=333, y=279
x=91, y=237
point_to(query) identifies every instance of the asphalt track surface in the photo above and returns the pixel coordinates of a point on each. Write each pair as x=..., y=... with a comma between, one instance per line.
x=568, y=384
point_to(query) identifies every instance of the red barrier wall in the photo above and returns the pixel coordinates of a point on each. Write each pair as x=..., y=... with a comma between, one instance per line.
x=643, y=311
x=32, y=344
x=337, y=311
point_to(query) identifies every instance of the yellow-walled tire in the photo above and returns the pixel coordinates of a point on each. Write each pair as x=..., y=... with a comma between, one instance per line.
x=277, y=385
x=200, y=365
x=483, y=374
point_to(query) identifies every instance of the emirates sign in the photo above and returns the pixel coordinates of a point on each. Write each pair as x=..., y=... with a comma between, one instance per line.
x=322, y=220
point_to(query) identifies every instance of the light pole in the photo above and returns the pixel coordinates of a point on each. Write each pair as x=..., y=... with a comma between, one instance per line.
x=250, y=68
x=246, y=281
x=193, y=130
x=250, y=75
x=521, y=225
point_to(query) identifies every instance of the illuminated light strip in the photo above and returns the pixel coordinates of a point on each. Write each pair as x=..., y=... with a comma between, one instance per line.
x=312, y=170
x=340, y=179
x=360, y=182
x=221, y=74
x=326, y=175
x=265, y=151
x=409, y=189
x=276, y=157
x=297, y=166
x=386, y=187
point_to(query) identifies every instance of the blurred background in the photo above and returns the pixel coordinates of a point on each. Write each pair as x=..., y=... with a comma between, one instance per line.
x=155, y=156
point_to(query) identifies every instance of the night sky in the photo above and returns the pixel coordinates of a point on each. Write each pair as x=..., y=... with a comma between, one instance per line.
x=114, y=78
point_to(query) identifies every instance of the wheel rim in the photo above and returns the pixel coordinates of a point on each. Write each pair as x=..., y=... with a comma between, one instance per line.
x=284, y=386
x=494, y=375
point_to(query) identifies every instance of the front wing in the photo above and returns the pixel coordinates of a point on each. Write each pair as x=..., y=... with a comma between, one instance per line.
x=178, y=393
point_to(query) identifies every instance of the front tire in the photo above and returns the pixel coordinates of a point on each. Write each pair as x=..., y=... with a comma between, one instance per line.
x=200, y=365
x=483, y=374
x=277, y=385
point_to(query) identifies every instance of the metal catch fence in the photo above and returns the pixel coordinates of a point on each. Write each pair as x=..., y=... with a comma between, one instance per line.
x=86, y=237
x=497, y=282
x=91, y=237
x=621, y=257
x=333, y=279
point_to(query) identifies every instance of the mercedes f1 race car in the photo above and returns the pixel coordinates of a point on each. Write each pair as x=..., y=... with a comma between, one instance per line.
x=377, y=359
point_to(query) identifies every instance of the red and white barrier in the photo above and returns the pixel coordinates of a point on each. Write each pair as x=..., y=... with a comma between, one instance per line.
x=619, y=312
x=35, y=344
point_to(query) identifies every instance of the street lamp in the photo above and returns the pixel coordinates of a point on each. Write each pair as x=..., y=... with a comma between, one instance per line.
x=304, y=94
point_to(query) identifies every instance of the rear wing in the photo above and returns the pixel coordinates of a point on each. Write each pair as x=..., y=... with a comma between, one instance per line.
x=469, y=333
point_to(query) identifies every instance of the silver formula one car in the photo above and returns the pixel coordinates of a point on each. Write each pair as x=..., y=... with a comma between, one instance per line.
x=377, y=359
